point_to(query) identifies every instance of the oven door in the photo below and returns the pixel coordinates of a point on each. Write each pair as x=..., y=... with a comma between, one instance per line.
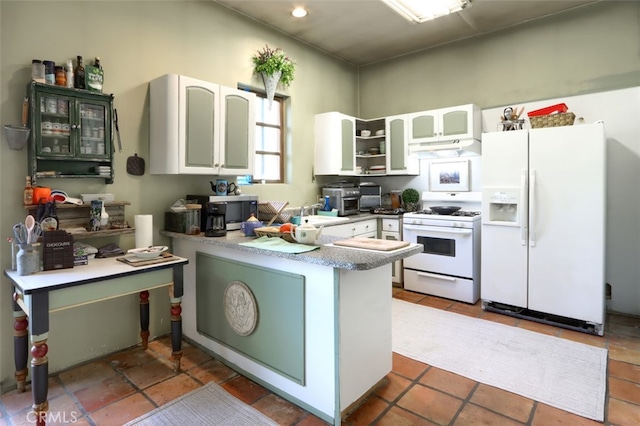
x=447, y=251
x=350, y=205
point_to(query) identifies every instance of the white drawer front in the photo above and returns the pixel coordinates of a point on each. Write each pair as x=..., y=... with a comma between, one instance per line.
x=390, y=225
x=454, y=288
x=364, y=227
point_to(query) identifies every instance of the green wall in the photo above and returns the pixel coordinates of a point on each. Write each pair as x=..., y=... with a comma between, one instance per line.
x=136, y=42
x=587, y=50
x=590, y=49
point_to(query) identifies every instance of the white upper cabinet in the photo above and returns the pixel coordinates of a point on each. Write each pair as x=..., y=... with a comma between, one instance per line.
x=398, y=160
x=198, y=127
x=445, y=124
x=350, y=146
x=334, y=144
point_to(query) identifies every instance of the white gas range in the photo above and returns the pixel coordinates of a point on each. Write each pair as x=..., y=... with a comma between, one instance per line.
x=449, y=265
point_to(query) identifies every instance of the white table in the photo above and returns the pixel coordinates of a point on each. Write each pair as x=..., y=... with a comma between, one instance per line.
x=35, y=296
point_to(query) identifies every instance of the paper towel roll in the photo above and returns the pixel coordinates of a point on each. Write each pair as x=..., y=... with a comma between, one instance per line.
x=144, y=230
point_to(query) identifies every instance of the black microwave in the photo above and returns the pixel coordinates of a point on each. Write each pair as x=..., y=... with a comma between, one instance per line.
x=239, y=208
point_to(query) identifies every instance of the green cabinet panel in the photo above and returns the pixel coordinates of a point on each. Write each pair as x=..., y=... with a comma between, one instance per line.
x=200, y=126
x=237, y=132
x=455, y=123
x=423, y=127
x=396, y=145
x=277, y=342
x=347, y=145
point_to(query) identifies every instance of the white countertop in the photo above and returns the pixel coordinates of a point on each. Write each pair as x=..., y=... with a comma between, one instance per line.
x=95, y=270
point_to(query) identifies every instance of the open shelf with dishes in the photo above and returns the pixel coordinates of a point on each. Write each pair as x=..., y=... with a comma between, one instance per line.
x=371, y=147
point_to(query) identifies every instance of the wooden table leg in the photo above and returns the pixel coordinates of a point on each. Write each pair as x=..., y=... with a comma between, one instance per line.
x=144, y=318
x=20, y=344
x=176, y=333
x=39, y=380
x=175, y=293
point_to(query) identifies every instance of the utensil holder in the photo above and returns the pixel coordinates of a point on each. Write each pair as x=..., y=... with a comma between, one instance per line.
x=27, y=260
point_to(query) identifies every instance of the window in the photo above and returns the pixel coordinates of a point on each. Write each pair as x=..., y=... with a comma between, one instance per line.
x=269, y=140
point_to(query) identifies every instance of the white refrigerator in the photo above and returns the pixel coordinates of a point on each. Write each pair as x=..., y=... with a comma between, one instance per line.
x=543, y=221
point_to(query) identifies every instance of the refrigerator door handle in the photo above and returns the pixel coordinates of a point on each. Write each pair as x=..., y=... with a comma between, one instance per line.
x=523, y=207
x=532, y=208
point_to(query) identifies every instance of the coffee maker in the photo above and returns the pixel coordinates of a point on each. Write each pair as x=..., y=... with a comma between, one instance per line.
x=216, y=220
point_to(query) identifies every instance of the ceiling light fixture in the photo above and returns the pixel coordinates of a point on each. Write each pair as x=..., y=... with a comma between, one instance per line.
x=299, y=12
x=419, y=11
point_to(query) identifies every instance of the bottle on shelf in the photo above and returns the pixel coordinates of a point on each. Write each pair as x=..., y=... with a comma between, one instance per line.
x=61, y=76
x=79, y=74
x=69, y=70
x=49, y=72
x=28, y=192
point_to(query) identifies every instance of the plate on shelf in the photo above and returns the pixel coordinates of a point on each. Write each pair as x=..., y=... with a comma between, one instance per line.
x=148, y=252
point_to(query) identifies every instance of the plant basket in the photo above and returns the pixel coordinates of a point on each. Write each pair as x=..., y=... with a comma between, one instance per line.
x=270, y=84
x=552, y=120
x=16, y=136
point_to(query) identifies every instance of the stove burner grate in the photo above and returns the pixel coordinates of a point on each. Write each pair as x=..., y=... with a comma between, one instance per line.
x=468, y=213
x=384, y=210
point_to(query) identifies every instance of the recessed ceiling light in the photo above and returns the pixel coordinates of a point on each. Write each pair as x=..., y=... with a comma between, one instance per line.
x=299, y=12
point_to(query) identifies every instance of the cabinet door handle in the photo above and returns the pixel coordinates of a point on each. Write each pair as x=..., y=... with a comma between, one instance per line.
x=75, y=126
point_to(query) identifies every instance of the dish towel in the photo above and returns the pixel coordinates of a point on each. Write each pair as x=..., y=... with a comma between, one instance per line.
x=278, y=244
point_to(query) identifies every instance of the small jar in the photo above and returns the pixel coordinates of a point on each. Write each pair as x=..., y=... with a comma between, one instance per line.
x=56, y=146
x=47, y=128
x=37, y=71
x=56, y=128
x=51, y=105
x=63, y=106
x=61, y=76
x=49, y=72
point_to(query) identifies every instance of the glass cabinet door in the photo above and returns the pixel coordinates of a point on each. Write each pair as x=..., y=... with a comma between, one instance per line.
x=92, y=130
x=53, y=131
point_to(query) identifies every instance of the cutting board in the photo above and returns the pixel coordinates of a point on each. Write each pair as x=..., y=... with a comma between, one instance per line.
x=137, y=261
x=371, y=244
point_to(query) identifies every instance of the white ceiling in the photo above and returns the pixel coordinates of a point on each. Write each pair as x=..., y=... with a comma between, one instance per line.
x=363, y=32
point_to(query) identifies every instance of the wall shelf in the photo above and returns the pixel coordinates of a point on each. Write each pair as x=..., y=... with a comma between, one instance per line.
x=72, y=217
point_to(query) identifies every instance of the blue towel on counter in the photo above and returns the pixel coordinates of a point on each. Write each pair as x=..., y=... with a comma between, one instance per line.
x=278, y=244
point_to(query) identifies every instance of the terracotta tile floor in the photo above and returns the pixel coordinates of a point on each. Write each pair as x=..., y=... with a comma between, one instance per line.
x=120, y=387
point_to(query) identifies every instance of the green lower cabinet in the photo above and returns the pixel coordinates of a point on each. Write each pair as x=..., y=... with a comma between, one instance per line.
x=253, y=310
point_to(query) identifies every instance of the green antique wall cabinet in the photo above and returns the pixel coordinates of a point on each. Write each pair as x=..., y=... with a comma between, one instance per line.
x=70, y=133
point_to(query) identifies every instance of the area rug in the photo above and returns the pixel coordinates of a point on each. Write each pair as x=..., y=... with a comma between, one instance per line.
x=567, y=375
x=208, y=405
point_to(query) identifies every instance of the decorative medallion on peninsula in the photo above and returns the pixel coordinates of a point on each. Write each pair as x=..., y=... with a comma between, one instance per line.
x=240, y=308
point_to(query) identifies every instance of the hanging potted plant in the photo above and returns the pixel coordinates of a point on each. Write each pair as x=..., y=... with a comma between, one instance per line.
x=274, y=66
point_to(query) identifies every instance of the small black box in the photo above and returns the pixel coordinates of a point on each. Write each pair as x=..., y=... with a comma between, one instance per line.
x=57, y=250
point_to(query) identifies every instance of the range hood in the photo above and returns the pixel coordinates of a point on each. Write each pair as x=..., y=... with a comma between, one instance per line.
x=442, y=149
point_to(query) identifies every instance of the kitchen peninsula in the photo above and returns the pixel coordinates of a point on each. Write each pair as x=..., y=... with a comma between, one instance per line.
x=313, y=327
